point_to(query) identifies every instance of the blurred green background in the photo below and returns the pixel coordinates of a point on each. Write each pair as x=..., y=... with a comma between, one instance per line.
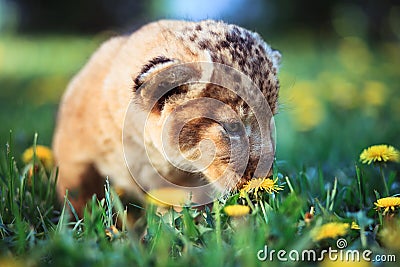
x=339, y=75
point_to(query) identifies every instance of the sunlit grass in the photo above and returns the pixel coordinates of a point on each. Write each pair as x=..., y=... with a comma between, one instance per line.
x=26, y=56
x=336, y=96
x=311, y=212
x=34, y=71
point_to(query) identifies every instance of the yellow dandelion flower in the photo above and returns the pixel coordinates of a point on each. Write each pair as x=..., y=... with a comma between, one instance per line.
x=270, y=185
x=379, y=153
x=11, y=262
x=330, y=230
x=374, y=93
x=43, y=153
x=236, y=210
x=253, y=185
x=307, y=111
x=354, y=226
x=263, y=184
x=242, y=193
x=390, y=235
x=387, y=204
x=167, y=196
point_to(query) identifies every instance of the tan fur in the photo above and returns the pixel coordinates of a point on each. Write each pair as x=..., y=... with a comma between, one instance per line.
x=88, y=139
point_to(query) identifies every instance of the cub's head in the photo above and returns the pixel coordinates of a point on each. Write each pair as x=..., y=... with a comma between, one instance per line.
x=213, y=116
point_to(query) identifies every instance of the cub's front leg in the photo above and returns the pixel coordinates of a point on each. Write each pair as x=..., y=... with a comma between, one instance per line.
x=78, y=136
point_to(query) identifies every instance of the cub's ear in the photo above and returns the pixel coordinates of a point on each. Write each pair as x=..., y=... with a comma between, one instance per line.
x=153, y=66
x=161, y=78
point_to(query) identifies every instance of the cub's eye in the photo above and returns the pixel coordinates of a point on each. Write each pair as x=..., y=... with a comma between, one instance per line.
x=232, y=127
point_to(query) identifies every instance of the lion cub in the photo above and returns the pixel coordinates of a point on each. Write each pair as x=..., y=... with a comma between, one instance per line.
x=115, y=121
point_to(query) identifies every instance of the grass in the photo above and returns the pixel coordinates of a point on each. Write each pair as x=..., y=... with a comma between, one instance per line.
x=36, y=230
x=34, y=71
x=337, y=97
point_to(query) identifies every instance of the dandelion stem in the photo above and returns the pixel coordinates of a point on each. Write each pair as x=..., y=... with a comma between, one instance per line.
x=360, y=190
x=289, y=185
x=249, y=202
x=384, y=180
x=264, y=212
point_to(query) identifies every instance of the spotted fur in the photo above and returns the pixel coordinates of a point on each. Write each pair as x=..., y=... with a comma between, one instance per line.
x=238, y=48
x=94, y=111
